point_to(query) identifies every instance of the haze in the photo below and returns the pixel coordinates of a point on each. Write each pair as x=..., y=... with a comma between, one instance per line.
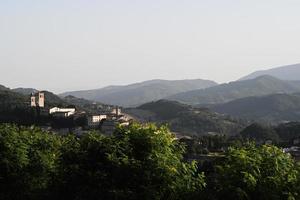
x=63, y=45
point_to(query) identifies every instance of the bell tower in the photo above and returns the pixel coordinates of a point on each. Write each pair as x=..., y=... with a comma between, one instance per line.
x=32, y=102
x=41, y=100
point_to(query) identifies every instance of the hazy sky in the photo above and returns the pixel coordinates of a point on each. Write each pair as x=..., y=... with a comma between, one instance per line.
x=83, y=44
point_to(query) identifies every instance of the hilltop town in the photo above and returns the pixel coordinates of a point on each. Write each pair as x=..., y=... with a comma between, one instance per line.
x=71, y=118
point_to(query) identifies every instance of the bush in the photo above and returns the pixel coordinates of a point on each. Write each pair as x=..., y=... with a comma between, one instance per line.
x=257, y=173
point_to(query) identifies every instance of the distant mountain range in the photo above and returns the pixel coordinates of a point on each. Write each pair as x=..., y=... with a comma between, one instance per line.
x=273, y=108
x=140, y=93
x=289, y=72
x=223, y=93
x=185, y=119
x=271, y=96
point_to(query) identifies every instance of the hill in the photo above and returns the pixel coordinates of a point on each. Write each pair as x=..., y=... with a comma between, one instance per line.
x=86, y=105
x=260, y=133
x=20, y=97
x=287, y=134
x=271, y=108
x=289, y=72
x=2, y=87
x=185, y=119
x=25, y=91
x=9, y=98
x=140, y=93
x=223, y=93
x=14, y=107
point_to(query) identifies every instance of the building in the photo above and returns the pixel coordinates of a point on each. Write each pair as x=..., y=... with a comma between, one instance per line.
x=109, y=126
x=116, y=111
x=62, y=112
x=94, y=120
x=33, y=101
x=294, y=151
x=40, y=101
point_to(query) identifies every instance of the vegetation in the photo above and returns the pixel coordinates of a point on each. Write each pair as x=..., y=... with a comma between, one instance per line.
x=223, y=93
x=288, y=131
x=260, y=133
x=137, y=162
x=187, y=119
x=273, y=108
x=252, y=172
x=282, y=134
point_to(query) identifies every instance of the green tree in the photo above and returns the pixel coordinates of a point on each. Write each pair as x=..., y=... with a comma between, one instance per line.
x=28, y=161
x=137, y=162
x=257, y=173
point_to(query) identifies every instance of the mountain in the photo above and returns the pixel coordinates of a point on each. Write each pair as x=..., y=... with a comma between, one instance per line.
x=2, y=87
x=140, y=93
x=271, y=108
x=289, y=72
x=223, y=93
x=185, y=119
x=10, y=99
x=25, y=91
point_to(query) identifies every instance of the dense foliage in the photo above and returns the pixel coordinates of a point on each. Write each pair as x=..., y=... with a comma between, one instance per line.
x=283, y=134
x=273, y=108
x=137, y=162
x=257, y=173
x=186, y=119
x=260, y=133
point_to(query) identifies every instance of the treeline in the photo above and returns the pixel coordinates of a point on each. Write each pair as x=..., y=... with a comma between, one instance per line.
x=283, y=134
x=137, y=162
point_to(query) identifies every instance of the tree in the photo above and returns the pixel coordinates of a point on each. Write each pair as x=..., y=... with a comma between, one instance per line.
x=28, y=162
x=137, y=162
x=260, y=133
x=257, y=173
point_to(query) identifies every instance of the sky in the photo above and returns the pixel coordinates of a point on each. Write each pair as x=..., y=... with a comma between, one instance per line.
x=63, y=45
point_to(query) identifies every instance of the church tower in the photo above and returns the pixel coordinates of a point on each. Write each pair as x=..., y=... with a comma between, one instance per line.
x=41, y=100
x=32, y=102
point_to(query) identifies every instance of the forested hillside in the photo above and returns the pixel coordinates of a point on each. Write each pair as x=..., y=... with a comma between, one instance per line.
x=185, y=119
x=273, y=108
x=260, y=86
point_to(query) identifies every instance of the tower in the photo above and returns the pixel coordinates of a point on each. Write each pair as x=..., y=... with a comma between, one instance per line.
x=32, y=102
x=41, y=100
